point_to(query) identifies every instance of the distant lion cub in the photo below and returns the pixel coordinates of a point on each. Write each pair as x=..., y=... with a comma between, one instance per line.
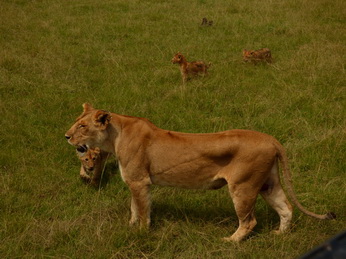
x=190, y=68
x=92, y=160
x=256, y=56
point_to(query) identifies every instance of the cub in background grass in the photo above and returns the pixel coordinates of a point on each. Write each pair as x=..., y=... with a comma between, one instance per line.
x=190, y=68
x=92, y=160
x=205, y=22
x=255, y=56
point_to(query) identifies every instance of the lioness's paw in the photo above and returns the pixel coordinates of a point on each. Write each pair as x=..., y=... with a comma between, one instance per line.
x=276, y=232
x=230, y=239
x=132, y=222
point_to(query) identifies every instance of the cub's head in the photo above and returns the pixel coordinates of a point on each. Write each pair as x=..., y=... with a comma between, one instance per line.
x=90, y=128
x=178, y=58
x=90, y=158
x=248, y=53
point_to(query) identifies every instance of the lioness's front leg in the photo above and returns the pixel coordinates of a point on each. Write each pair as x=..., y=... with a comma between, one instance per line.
x=134, y=212
x=140, y=204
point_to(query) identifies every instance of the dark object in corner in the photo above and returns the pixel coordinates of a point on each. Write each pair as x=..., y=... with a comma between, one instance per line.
x=334, y=248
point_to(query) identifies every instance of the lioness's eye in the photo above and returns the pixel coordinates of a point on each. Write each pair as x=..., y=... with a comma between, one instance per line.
x=81, y=126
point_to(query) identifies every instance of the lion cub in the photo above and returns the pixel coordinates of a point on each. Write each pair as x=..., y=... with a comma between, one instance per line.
x=189, y=68
x=256, y=56
x=92, y=165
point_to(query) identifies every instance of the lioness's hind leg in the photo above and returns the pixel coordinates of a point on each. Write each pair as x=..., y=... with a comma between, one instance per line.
x=245, y=208
x=273, y=193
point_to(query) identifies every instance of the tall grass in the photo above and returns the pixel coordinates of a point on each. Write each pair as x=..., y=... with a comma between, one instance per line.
x=55, y=55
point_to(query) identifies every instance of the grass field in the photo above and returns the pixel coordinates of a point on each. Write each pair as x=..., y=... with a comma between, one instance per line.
x=56, y=55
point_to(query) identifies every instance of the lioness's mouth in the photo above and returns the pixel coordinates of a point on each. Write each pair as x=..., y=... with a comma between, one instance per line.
x=82, y=149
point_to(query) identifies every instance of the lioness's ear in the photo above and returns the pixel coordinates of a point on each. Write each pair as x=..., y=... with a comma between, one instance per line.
x=87, y=107
x=101, y=119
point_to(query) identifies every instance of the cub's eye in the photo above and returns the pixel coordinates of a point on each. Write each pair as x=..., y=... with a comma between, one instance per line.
x=94, y=158
x=87, y=159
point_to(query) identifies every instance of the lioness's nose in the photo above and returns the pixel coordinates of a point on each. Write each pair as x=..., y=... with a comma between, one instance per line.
x=67, y=137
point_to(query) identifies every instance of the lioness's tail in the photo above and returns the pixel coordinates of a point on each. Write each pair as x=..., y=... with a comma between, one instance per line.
x=289, y=186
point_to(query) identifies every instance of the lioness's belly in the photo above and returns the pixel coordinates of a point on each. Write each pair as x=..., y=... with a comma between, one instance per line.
x=188, y=180
x=195, y=172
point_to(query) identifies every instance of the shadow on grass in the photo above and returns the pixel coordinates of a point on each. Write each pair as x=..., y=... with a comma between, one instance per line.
x=222, y=216
x=168, y=211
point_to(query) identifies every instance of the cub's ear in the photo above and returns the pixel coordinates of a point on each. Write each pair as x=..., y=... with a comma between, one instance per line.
x=97, y=150
x=101, y=119
x=87, y=107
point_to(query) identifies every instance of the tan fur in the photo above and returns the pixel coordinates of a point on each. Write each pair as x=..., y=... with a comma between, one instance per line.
x=92, y=162
x=246, y=161
x=256, y=56
x=189, y=68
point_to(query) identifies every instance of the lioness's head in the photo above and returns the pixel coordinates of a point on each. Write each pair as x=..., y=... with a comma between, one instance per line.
x=90, y=128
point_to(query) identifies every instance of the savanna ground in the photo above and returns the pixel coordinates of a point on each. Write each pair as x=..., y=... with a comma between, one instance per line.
x=115, y=54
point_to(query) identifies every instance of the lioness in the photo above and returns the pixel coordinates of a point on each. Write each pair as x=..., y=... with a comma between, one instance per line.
x=247, y=161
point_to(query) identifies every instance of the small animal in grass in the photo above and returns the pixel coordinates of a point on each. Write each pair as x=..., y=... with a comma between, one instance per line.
x=255, y=56
x=188, y=69
x=92, y=160
x=205, y=22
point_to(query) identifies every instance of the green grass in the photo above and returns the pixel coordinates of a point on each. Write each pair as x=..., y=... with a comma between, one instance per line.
x=55, y=55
